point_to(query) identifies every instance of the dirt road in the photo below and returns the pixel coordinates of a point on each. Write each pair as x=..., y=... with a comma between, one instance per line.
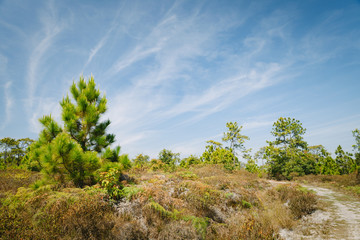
x=339, y=220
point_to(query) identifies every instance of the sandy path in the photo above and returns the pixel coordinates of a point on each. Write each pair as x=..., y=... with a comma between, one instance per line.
x=340, y=220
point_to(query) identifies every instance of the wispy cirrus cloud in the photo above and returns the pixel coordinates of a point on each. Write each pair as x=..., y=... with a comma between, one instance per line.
x=224, y=93
x=45, y=106
x=151, y=44
x=9, y=101
x=169, y=87
x=42, y=42
x=101, y=43
x=14, y=29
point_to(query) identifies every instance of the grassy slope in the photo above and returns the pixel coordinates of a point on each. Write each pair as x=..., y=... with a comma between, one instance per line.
x=204, y=202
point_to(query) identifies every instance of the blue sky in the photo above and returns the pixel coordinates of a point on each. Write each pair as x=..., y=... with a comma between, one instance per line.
x=174, y=72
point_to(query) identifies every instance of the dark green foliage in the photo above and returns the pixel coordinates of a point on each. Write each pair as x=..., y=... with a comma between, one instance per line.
x=288, y=133
x=286, y=153
x=63, y=160
x=344, y=161
x=215, y=153
x=168, y=157
x=356, y=134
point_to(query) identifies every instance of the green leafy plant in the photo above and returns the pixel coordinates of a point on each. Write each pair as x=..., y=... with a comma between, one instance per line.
x=110, y=182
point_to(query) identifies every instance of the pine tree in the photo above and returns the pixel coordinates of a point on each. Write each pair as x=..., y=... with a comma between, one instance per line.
x=284, y=155
x=72, y=152
x=81, y=120
x=235, y=138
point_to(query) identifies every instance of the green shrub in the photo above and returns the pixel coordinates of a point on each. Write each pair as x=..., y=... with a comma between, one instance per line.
x=191, y=160
x=168, y=157
x=141, y=160
x=156, y=164
x=110, y=182
x=125, y=161
x=200, y=224
x=130, y=192
x=246, y=204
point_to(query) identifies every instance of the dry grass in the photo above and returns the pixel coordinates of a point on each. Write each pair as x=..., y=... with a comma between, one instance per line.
x=206, y=202
x=346, y=183
x=48, y=214
x=202, y=202
x=12, y=179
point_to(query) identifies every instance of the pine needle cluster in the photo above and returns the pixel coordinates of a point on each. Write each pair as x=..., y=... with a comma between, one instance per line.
x=72, y=151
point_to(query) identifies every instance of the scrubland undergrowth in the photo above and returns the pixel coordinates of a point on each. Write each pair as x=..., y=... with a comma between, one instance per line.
x=346, y=183
x=202, y=202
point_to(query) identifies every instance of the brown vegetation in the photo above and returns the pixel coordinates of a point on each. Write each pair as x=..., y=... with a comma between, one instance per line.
x=203, y=202
x=347, y=183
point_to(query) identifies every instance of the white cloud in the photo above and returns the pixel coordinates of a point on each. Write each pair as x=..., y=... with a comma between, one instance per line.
x=177, y=66
x=8, y=105
x=9, y=101
x=226, y=92
x=334, y=127
x=44, y=106
x=175, y=46
x=13, y=28
x=102, y=41
x=42, y=43
x=151, y=44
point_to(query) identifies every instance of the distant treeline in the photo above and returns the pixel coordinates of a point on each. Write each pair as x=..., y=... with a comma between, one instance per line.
x=79, y=149
x=13, y=151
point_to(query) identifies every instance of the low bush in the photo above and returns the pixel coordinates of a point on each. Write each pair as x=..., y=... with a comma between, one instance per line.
x=47, y=214
x=201, y=202
x=12, y=179
x=301, y=201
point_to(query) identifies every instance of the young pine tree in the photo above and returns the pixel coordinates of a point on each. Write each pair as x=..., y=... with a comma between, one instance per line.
x=71, y=152
x=81, y=118
x=235, y=138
